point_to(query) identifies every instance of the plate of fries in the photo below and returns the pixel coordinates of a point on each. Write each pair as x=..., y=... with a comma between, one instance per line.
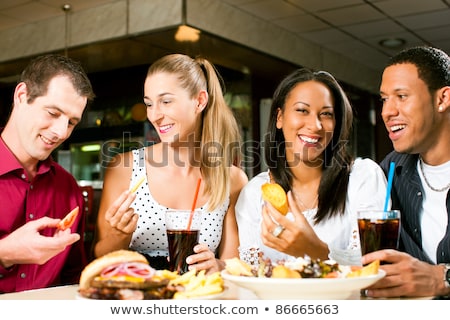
x=198, y=285
x=343, y=284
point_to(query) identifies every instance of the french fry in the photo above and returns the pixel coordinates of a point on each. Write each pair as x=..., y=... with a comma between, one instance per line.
x=195, y=282
x=199, y=291
x=137, y=185
x=166, y=274
x=214, y=278
x=197, y=285
x=184, y=278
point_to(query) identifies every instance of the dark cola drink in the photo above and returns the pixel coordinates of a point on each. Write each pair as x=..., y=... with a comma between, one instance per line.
x=377, y=234
x=181, y=246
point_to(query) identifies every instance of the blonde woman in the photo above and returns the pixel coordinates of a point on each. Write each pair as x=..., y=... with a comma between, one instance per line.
x=199, y=139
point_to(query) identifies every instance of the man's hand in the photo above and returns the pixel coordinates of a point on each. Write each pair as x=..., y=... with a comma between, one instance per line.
x=27, y=246
x=406, y=276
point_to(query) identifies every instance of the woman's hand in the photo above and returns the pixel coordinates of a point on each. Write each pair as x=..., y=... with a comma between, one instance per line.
x=120, y=215
x=297, y=238
x=204, y=259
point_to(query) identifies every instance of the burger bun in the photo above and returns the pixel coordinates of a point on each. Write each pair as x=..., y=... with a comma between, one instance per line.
x=98, y=265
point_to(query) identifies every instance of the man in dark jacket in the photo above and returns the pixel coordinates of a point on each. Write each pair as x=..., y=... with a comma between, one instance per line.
x=415, y=91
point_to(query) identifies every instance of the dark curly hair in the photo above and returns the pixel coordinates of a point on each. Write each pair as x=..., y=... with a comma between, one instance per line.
x=433, y=65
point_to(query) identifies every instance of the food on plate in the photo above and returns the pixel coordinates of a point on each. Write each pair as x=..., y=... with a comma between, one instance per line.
x=238, y=267
x=370, y=269
x=315, y=268
x=298, y=268
x=281, y=271
x=123, y=275
x=126, y=275
x=199, y=284
x=69, y=219
x=275, y=194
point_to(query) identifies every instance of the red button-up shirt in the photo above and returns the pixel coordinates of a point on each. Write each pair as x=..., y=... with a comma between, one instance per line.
x=52, y=193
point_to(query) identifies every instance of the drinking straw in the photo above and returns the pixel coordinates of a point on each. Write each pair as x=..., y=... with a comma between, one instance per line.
x=389, y=185
x=194, y=204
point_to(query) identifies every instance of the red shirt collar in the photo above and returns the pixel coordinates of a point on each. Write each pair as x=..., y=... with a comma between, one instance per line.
x=10, y=163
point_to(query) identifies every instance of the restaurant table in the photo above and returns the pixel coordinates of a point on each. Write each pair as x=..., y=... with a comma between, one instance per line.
x=232, y=292
x=70, y=292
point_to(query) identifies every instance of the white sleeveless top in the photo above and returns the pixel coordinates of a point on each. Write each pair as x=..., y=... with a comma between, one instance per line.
x=150, y=235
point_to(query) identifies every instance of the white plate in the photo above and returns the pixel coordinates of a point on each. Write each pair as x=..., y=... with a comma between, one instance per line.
x=322, y=289
x=211, y=296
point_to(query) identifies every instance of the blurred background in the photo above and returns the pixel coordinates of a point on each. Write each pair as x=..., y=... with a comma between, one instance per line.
x=253, y=43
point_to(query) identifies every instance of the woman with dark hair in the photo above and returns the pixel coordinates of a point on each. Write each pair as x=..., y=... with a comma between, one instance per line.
x=306, y=150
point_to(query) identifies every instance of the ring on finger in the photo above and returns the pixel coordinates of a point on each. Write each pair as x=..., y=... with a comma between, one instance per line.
x=277, y=231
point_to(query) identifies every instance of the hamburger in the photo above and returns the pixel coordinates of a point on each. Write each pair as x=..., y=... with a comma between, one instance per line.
x=123, y=275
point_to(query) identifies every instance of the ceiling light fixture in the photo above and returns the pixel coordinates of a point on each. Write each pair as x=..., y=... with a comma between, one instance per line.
x=66, y=8
x=187, y=34
x=184, y=32
x=392, y=43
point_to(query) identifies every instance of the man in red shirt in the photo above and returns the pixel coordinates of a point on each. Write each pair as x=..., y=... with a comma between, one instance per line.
x=36, y=192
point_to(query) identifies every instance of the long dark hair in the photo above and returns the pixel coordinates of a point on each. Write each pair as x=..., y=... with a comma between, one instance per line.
x=337, y=159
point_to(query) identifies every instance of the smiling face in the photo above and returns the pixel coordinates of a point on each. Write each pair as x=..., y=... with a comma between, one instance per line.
x=307, y=121
x=46, y=122
x=408, y=110
x=170, y=109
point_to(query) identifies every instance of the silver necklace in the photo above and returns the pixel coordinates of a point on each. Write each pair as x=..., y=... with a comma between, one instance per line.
x=426, y=180
x=303, y=204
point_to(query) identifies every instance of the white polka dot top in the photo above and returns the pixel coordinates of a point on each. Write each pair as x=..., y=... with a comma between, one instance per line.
x=150, y=235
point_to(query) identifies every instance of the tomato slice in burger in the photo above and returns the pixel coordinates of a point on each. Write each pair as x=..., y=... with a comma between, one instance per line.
x=68, y=220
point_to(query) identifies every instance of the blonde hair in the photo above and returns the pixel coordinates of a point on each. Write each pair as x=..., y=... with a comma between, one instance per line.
x=220, y=136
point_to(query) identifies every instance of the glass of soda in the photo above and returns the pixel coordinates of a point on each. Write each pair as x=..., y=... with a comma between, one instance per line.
x=378, y=230
x=182, y=237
